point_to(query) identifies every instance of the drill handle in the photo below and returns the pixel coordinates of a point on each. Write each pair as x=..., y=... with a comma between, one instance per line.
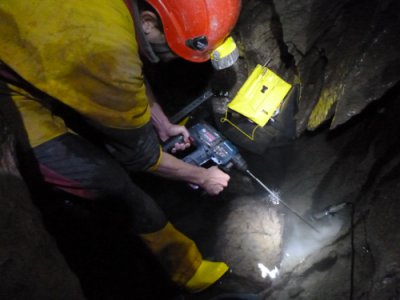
x=170, y=143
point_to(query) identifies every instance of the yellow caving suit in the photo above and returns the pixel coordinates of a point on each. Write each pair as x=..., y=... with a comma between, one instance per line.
x=84, y=54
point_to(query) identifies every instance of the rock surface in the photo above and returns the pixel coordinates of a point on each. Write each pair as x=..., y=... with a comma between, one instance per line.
x=344, y=53
x=356, y=45
x=31, y=266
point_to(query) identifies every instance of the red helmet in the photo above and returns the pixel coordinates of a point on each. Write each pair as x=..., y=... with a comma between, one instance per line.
x=195, y=28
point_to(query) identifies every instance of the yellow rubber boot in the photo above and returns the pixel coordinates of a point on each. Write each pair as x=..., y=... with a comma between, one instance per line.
x=182, y=260
x=207, y=274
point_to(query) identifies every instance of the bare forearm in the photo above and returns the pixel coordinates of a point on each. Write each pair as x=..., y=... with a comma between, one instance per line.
x=162, y=125
x=212, y=180
x=173, y=168
x=158, y=118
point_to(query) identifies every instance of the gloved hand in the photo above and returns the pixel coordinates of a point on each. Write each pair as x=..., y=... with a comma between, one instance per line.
x=215, y=181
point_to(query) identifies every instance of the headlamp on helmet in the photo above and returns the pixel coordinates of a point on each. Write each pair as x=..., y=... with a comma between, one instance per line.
x=198, y=30
x=225, y=55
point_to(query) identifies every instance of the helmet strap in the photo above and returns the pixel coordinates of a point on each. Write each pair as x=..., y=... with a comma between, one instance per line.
x=144, y=46
x=163, y=51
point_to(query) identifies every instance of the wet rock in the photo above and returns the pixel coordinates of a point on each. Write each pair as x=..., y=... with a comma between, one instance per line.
x=250, y=238
x=256, y=34
x=344, y=53
x=295, y=292
x=356, y=40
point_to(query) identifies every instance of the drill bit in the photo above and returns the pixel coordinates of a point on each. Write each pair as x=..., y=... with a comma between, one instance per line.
x=273, y=195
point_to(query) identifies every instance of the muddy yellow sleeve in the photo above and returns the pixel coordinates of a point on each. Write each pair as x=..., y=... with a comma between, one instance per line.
x=40, y=124
x=82, y=53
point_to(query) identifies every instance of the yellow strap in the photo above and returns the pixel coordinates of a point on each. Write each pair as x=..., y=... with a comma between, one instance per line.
x=225, y=119
x=184, y=121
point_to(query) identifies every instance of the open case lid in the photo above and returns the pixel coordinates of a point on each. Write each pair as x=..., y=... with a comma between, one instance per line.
x=260, y=96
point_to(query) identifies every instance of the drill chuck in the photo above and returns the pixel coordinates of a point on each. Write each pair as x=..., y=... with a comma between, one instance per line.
x=239, y=163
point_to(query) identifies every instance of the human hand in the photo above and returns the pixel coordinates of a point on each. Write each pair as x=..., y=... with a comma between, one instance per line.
x=165, y=129
x=215, y=181
x=174, y=130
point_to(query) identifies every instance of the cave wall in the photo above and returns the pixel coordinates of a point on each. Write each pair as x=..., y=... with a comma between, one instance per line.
x=31, y=266
x=344, y=54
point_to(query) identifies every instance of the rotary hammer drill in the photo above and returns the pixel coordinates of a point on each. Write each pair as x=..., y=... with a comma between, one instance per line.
x=210, y=145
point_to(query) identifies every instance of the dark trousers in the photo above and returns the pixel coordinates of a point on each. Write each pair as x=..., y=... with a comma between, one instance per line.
x=75, y=165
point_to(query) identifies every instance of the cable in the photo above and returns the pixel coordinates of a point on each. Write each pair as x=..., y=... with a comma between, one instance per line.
x=352, y=251
x=367, y=247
